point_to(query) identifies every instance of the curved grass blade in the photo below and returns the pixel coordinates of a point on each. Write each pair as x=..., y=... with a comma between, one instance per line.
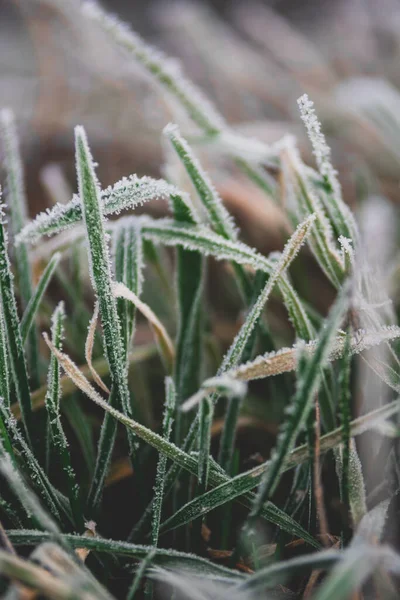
x=34, y=303
x=17, y=203
x=15, y=347
x=165, y=344
x=164, y=557
x=89, y=349
x=127, y=193
x=58, y=440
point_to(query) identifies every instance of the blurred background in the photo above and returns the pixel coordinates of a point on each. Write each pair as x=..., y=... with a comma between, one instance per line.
x=253, y=59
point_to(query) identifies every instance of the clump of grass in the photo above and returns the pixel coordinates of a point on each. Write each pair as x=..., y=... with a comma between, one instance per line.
x=180, y=480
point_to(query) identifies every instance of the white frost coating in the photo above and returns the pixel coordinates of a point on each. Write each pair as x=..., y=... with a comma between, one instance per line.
x=284, y=360
x=164, y=69
x=129, y=192
x=226, y=385
x=322, y=155
x=321, y=149
x=221, y=220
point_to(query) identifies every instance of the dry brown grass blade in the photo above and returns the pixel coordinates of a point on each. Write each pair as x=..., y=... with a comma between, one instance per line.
x=284, y=360
x=89, y=349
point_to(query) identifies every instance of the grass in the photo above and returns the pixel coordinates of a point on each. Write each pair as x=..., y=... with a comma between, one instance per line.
x=191, y=508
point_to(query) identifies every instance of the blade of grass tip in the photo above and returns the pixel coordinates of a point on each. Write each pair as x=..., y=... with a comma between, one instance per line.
x=89, y=349
x=170, y=400
x=165, y=344
x=306, y=201
x=15, y=346
x=299, y=408
x=17, y=203
x=218, y=216
x=37, y=475
x=144, y=565
x=129, y=192
x=34, y=303
x=58, y=440
x=289, y=253
x=340, y=214
x=100, y=269
x=184, y=460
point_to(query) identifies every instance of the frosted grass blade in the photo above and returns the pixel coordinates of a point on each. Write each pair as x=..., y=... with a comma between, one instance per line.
x=17, y=203
x=127, y=193
x=164, y=557
x=170, y=400
x=89, y=349
x=58, y=443
x=15, y=347
x=339, y=212
x=101, y=268
x=4, y=363
x=220, y=219
x=34, y=303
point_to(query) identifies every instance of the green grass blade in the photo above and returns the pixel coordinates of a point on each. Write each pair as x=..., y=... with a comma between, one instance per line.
x=58, y=440
x=15, y=347
x=34, y=303
x=4, y=363
x=101, y=268
x=219, y=217
x=170, y=400
x=17, y=203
